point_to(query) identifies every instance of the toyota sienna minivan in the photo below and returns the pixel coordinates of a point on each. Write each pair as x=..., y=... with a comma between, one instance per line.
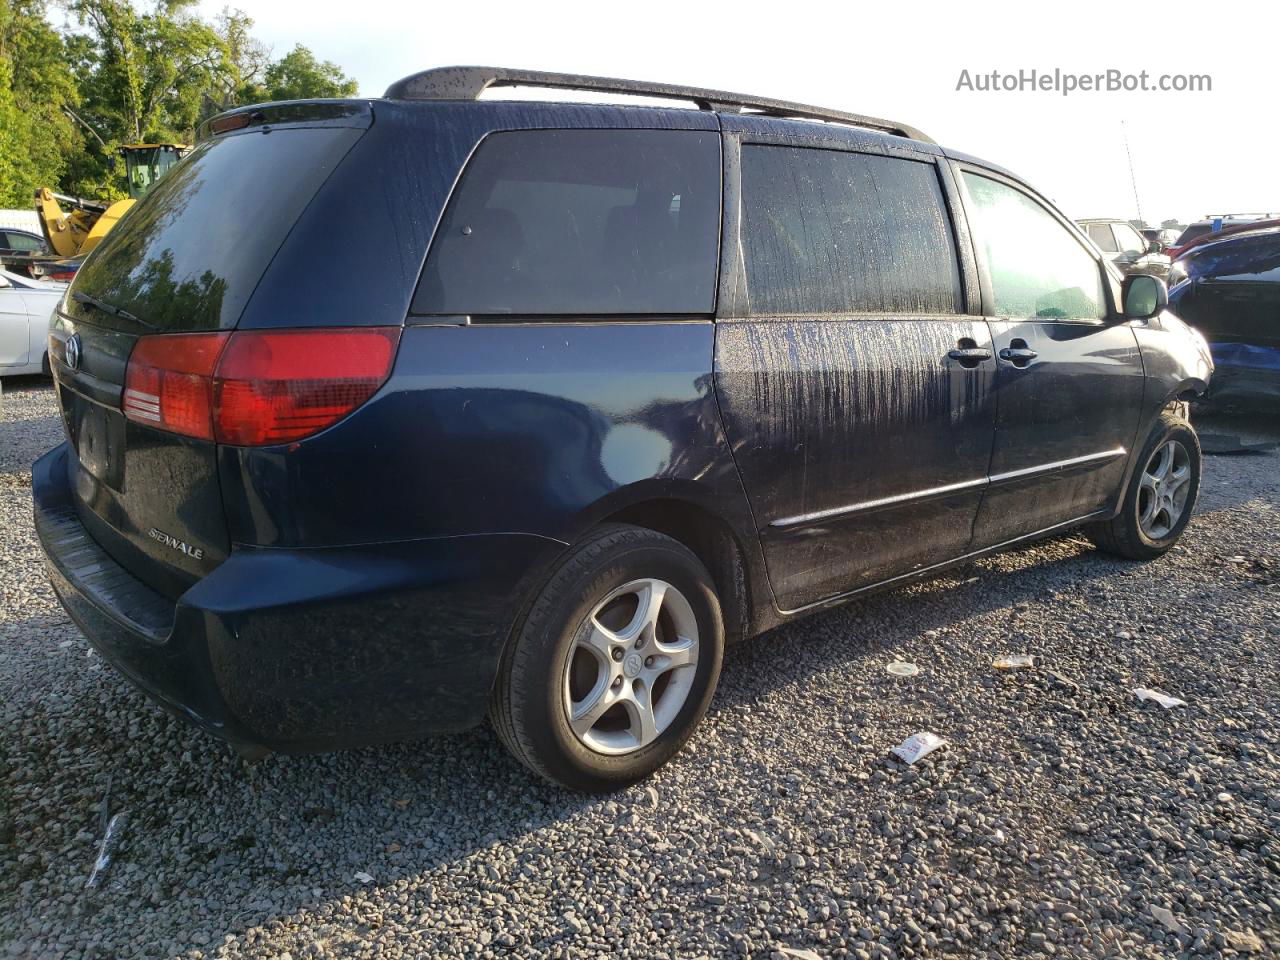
x=384, y=416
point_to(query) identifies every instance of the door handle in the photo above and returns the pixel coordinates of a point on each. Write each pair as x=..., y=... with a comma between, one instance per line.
x=1019, y=356
x=973, y=355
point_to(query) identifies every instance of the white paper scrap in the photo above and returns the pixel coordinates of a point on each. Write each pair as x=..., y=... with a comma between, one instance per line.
x=1163, y=699
x=918, y=746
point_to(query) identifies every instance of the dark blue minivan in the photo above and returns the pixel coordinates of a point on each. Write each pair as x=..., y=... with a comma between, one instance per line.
x=386, y=415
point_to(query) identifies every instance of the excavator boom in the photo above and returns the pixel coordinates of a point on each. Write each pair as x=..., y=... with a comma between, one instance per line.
x=79, y=227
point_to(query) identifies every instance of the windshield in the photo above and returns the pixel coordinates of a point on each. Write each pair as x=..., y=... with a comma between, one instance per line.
x=145, y=165
x=1128, y=239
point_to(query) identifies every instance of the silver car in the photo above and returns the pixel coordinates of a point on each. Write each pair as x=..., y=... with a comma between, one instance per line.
x=25, y=308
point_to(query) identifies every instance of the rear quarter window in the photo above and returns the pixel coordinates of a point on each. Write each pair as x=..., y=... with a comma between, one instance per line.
x=830, y=232
x=580, y=222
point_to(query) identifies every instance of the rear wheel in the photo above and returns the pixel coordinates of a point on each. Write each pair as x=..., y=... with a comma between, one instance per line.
x=1161, y=494
x=614, y=664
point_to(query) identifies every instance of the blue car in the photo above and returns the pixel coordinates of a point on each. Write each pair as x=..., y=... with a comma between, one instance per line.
x=387, y=416
x=1229, y=290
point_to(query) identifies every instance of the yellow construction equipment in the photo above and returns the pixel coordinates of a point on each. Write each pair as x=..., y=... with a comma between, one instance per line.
x=81, y=227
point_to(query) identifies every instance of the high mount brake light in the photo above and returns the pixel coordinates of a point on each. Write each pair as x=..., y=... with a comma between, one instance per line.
x=255, y=387
x=237, y=121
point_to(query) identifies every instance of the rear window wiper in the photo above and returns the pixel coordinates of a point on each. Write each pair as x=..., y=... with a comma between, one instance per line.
x=109, y=309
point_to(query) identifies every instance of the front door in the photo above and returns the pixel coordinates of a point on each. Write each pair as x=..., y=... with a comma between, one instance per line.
x=15, y=328
x=855, y=392
x=1069, y=379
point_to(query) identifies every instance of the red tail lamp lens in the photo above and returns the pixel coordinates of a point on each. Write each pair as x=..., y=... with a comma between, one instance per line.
x=168, y=382
x=253, y=388
x=273, y=387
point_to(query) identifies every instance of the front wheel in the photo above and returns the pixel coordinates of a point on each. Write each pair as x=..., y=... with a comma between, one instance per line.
x=614, y=664
x=1161, y=494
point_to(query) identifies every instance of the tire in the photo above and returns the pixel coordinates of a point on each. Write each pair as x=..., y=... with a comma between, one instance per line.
x=1133, y=533
x=45, y=369
x=558, y=663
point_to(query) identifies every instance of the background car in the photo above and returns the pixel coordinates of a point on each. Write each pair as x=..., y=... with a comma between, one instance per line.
x=1161, y=236
x=25, y=308
x=1215, y=227
x=1230, y=292
x=1126, y=247
x=21, y=241
x=55, y=268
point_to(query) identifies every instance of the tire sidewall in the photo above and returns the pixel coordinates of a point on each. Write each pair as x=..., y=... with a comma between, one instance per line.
x=551, y=638
x=1167, y=428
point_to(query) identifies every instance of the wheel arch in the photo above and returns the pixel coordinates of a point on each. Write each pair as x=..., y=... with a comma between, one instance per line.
x=711, y=538
x=1189, y=389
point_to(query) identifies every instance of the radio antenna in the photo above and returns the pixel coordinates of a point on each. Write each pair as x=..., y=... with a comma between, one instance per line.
x=1133, y=179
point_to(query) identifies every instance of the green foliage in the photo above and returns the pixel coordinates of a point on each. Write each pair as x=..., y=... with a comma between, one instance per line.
x=298, y=75
x=127, y=73
x=37, y=93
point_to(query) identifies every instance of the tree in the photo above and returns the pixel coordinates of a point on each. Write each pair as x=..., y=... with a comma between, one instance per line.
x=247, y=58
x=298, y=75
x=132, y=71
x=145, y=76
x=149, y=73
x=37, y=100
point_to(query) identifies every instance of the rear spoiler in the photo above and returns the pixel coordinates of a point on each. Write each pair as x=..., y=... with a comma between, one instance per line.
x=295, y=113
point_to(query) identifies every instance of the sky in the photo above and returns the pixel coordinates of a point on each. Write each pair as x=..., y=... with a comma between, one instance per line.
x=1193, y=153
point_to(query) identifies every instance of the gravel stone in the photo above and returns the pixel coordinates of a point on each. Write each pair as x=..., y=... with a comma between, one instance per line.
x=1061, y=812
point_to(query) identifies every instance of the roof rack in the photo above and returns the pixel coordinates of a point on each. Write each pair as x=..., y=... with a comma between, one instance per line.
x=1241, y=216
x=467, y=83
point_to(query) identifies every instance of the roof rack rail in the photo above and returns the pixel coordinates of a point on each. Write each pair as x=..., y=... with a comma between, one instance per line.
x=467, y=83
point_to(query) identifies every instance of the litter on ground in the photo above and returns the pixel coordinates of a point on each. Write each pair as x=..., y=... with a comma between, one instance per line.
x=918, y=746
x=107, y=849
x=1014, y=661
x=1163, y=699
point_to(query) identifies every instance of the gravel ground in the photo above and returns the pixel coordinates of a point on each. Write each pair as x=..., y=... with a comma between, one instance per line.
x=1065, y=817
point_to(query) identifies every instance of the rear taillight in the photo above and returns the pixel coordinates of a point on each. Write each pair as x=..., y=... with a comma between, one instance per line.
x=169, y=382
x=272, y=387
x=253, y=388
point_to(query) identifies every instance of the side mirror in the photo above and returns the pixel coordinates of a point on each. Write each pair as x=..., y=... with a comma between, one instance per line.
x=1143, y=296
x=1155, y=246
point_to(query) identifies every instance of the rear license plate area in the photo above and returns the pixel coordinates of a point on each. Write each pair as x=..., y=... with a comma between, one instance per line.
x=97, y=436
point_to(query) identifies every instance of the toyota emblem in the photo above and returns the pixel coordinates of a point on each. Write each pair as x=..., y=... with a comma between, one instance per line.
x=73, y=351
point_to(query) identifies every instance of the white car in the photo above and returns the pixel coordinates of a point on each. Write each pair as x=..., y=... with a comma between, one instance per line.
x=26, y=307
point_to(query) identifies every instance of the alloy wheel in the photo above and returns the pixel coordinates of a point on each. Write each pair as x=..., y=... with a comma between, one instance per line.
x=1163, y=490
x=631, y=667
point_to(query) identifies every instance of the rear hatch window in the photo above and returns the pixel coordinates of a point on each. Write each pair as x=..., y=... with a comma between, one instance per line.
x=189, y=255
x=185, y=259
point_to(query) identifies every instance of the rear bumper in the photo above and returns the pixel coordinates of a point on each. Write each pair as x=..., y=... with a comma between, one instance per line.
x=301, y=650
